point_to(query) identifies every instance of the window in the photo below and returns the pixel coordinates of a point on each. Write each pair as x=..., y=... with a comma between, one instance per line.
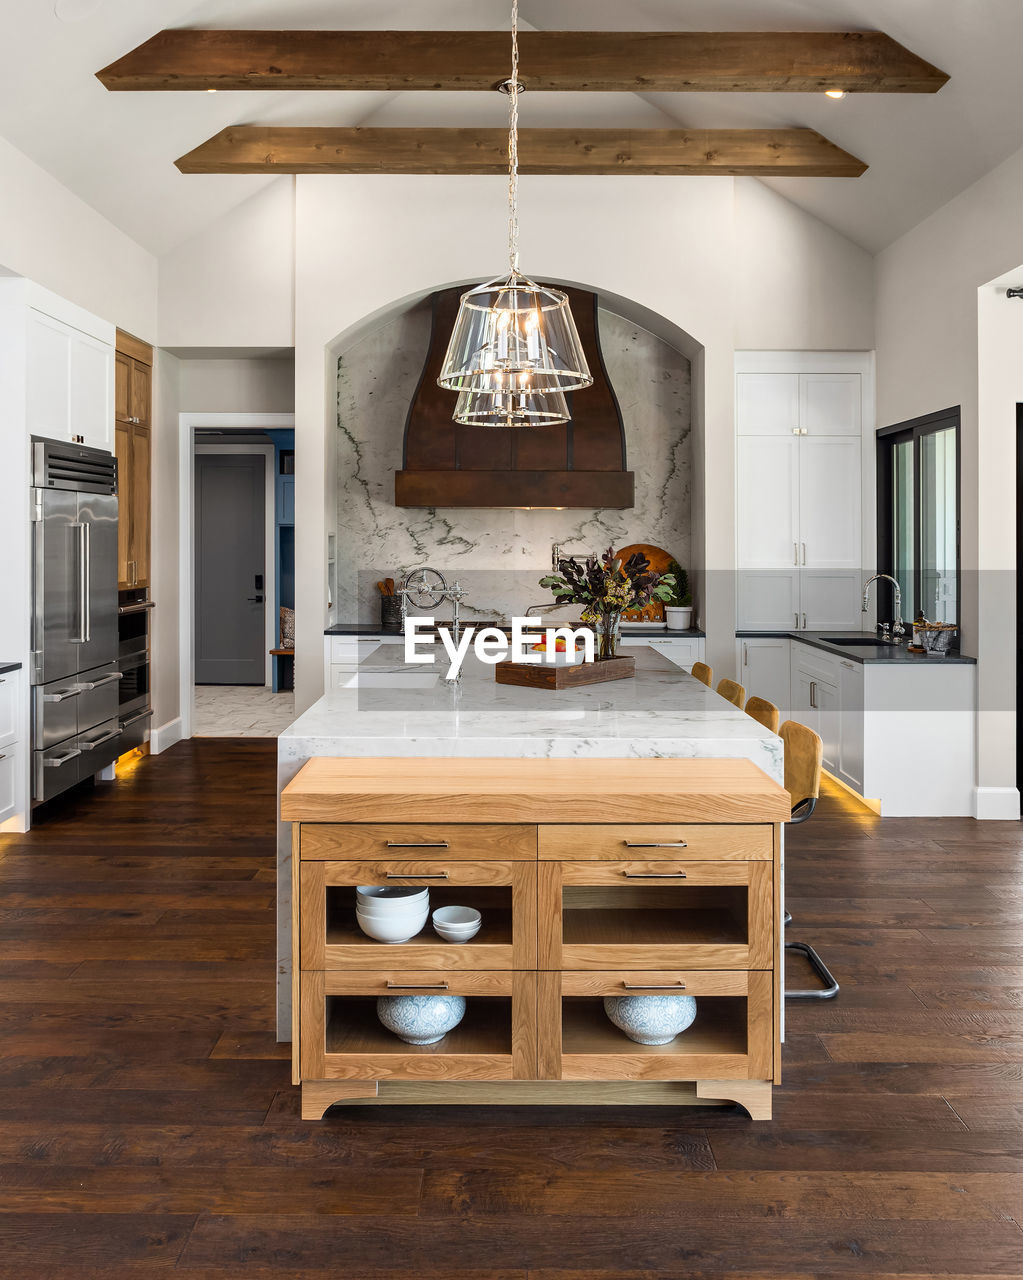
x=918, y=516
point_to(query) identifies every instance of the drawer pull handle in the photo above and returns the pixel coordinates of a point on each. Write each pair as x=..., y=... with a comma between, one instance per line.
x=654, y=986
x=415, y=875
x=654, y=875
x=660, y=844
x=417, y=986
x=424, y=844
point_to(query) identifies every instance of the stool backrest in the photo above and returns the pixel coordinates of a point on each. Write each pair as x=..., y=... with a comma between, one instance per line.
x=703, y=673
x=803, y=754
x=764, y=712
x=732, y=692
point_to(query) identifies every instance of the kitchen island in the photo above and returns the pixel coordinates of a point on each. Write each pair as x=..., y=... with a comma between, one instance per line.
x=645, y=752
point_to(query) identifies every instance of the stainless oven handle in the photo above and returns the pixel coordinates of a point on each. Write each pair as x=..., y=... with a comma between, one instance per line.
x=136, y=608
x=98, y=684
x=98, y=742
x=56, y=761
x=63, y=695
x=142, y=715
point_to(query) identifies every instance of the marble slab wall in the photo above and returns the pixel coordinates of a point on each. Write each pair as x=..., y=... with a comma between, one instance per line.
x=498, y=555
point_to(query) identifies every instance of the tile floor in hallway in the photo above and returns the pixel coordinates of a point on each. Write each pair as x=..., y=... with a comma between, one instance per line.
x=241, y=711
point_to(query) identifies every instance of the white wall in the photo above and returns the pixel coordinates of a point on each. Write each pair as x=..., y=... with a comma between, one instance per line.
x=164, y=582
x=261, y=385
x=233, y=285
x=51, y=236
x=928, y=342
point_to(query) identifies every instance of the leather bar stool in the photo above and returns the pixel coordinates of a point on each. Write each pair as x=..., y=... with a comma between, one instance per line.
x=732, y=692
x=803, y=753
x=703, y=673
x=764, y=712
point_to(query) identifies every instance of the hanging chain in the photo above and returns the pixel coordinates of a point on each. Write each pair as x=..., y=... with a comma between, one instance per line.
x=513, y=144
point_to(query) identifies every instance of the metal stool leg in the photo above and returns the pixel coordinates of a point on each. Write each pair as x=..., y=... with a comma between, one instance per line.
x=830, y=988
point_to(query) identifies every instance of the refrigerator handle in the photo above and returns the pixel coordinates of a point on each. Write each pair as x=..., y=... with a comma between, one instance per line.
x=79, y=636
x=87, y=581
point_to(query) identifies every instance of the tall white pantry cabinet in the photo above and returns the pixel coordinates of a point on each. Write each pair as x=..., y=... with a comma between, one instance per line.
x=801, y=418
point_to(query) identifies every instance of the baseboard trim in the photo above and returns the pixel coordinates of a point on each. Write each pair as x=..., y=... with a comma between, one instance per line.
x=166, y=736
x=996, y=804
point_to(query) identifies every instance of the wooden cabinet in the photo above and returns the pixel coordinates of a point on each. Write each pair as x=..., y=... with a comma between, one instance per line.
x=133, y=380
x=572, y=911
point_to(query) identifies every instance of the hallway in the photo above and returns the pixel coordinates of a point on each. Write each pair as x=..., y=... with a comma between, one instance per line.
x=149, y=1123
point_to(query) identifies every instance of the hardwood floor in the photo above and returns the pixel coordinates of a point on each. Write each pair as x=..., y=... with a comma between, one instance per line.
x=147, y=1124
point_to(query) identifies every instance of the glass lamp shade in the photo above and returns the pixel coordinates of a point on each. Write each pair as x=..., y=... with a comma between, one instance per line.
x=511, y=327
x=520, y=406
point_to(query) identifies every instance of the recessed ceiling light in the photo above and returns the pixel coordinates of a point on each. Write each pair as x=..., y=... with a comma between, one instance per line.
x=75, y=10
x=837, y=94
x=211, y=91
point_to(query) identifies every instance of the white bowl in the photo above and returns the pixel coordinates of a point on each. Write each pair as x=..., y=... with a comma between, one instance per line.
x=392, y=931
x=457, y=917
x=389, y=895
x=393, y=910
x=464, y=936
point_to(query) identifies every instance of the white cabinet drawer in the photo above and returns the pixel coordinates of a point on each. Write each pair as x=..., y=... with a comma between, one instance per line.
x=10, y=776
x=682, y=652
x=8, y=708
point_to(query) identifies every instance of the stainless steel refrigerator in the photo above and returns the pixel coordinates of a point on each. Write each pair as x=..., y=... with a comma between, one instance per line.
x=75, y=725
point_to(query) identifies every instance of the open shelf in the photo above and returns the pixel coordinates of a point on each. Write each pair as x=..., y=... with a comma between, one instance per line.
x=493, y=904
x=625, y=926
x=353, y=1028
x=719, y=1029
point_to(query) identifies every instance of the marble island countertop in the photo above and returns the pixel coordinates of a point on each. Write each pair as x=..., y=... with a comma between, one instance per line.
x=662, y=711
x=371, y=631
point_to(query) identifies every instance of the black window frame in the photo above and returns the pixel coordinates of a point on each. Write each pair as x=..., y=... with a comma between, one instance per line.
x=887, y=438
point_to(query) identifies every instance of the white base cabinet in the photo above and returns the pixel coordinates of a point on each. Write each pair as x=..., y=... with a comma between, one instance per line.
x=901, y=734
x=764, y=665
x=683, y=651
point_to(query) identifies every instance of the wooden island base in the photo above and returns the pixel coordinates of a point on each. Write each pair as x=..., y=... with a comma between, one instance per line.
x=582, y=897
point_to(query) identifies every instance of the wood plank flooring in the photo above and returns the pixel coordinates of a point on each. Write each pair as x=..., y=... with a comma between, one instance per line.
x=147, y=1125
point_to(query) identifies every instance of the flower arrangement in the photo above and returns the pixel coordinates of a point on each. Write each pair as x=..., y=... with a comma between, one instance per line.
x=606, y=586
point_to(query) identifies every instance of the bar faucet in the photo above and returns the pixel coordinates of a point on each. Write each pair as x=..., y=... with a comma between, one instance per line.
x=898, y=630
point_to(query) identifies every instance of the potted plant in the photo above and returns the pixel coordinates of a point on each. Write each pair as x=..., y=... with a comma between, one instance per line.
x=606, y=587
x=678, y=610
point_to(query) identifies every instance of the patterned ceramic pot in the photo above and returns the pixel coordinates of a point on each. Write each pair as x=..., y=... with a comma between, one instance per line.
x=420, y=1019
x=651, y=1019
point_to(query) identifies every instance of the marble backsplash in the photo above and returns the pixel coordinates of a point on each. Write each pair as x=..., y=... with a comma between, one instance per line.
x=498, y=555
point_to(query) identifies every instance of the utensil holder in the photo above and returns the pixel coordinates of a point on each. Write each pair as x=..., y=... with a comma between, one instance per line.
x=390, y=615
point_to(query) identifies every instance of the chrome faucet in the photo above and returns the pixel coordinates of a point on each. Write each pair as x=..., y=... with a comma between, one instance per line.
x=898, y=630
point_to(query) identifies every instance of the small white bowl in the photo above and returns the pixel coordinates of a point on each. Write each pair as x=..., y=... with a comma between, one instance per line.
x=389, y=895
x=457, y=917
x=393, y=931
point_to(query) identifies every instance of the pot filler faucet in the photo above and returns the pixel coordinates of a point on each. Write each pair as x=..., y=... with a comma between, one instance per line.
x=898, y=630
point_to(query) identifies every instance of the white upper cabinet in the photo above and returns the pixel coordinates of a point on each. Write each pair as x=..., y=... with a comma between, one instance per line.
x=767, y=495
x=69, y=373
x=829, y=502
x=829, y=404
x=767, y=404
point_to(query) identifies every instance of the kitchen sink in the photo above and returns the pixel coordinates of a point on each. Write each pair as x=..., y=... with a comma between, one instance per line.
x=863, y=642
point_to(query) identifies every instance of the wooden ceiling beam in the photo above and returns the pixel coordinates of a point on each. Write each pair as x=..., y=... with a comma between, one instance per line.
x=604, y=61
x=306, y=149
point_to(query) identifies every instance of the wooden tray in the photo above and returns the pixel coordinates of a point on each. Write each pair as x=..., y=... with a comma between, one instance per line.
x=542, y=676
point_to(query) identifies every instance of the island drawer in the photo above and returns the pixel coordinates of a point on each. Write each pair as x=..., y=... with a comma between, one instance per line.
x=651, y=915
x=712, y=842
x=729, y=1039
x=504, y=893
x=354, y=841
x=342, y=1037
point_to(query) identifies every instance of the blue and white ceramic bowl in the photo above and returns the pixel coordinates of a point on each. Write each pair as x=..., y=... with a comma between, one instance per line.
x=421, y=1019
x=651, y=1019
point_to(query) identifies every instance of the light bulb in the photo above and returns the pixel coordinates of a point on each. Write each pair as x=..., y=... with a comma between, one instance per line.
x=837, y=94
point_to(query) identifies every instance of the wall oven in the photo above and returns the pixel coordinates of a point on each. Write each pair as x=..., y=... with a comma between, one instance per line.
x=134, y=711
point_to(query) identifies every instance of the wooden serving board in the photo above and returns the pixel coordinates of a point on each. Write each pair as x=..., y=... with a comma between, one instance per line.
x=542, y=676
x=659, y=561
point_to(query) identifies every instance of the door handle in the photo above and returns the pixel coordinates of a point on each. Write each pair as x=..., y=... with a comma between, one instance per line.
x=804, y=621
x=142, y=715
x=654, y=875
x=80, y=638
x=98, y=742
x=813, y=693
x=662, y=844
x=56, y=761
x=417, y=986
x=87, y=580
x=98, y=684
x=62, y=695
x=803, y=545
x=255, y=599
x=745, y=654
x=655, y=986
x=425, y=844
x=415, y=875
x=795, y=554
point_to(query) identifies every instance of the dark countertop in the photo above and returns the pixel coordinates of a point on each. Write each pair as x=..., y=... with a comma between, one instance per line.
x=371, y=631
x=9, y=666
x=885, y=655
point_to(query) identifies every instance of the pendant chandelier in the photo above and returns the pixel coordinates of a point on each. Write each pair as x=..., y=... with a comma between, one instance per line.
x=514, y=340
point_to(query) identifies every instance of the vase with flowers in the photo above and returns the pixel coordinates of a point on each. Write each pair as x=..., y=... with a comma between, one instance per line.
x=606, y=586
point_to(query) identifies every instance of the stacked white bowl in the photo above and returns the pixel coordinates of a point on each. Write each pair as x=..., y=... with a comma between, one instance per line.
x=457, y=924
x=391, y=913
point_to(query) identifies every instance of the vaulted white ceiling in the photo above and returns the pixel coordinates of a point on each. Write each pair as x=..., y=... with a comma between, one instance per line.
x=116, y=150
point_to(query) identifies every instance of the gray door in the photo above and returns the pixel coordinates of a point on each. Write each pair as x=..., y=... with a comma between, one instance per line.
x=230, y=512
